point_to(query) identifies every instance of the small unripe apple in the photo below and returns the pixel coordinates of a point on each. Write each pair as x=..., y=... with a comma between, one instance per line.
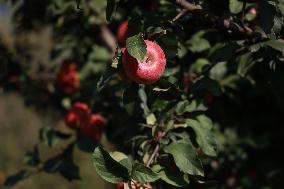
x=122, y=33
x=77, y=115
x=150, y=69
x=121, y=71
x=68, y=79
x=94, y=127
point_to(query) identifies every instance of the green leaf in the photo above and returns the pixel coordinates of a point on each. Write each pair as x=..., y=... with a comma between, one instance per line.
x=166, y=90
x=281, y=7
x=128, y=163
x=276, y=44
x=186, y=106
x=105, y=78
x=245, y=63
x=131, y=100
x=197, y=43
x=110, y=9
x=151, y=119
x=143, y=97
x=50, y=137
x=236, y=6
x=209, y=85
x=123, y=160
x=199, y=65
x=14, y=179
x=118, y=156
x=136, y=46
x=69, y=170
x=202, y=127
x=175, y=179
x=267, y=16
x=109, y=169
x=218, y=71
x=63, y=164
x=185, y=157
x=143, y=174
x=169, y=44
x=32, y=157
x=223, y=52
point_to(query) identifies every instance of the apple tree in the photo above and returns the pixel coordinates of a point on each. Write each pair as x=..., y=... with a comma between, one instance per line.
x=159, y=79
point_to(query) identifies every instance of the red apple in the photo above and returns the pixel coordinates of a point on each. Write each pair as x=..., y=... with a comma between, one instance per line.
x=150, y=69
x=122, y=33
x=68, y=79
x=77, y=115
x=72, y=120
x=94, y=127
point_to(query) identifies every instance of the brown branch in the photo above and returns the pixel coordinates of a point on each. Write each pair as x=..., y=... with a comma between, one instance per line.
x=189, y=6
x=215, y=20
x=108, y=38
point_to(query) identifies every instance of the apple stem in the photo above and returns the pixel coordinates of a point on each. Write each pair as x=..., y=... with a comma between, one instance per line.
x=147, y=60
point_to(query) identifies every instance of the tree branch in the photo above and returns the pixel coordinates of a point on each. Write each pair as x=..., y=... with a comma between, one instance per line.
x=108, y=38
x=215, y=20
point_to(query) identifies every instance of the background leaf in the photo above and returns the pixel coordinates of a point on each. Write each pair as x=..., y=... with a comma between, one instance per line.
x=185, y=157
x=14, y=179
x=50, y=137
x=235, y=6
x=202, y=127
x=110, y=9
x=109, y=169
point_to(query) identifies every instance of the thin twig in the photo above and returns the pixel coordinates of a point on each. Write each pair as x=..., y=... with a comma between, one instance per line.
x=155, y=152
x=179, y=15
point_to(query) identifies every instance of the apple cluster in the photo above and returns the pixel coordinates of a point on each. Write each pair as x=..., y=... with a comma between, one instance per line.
x=81, y=119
